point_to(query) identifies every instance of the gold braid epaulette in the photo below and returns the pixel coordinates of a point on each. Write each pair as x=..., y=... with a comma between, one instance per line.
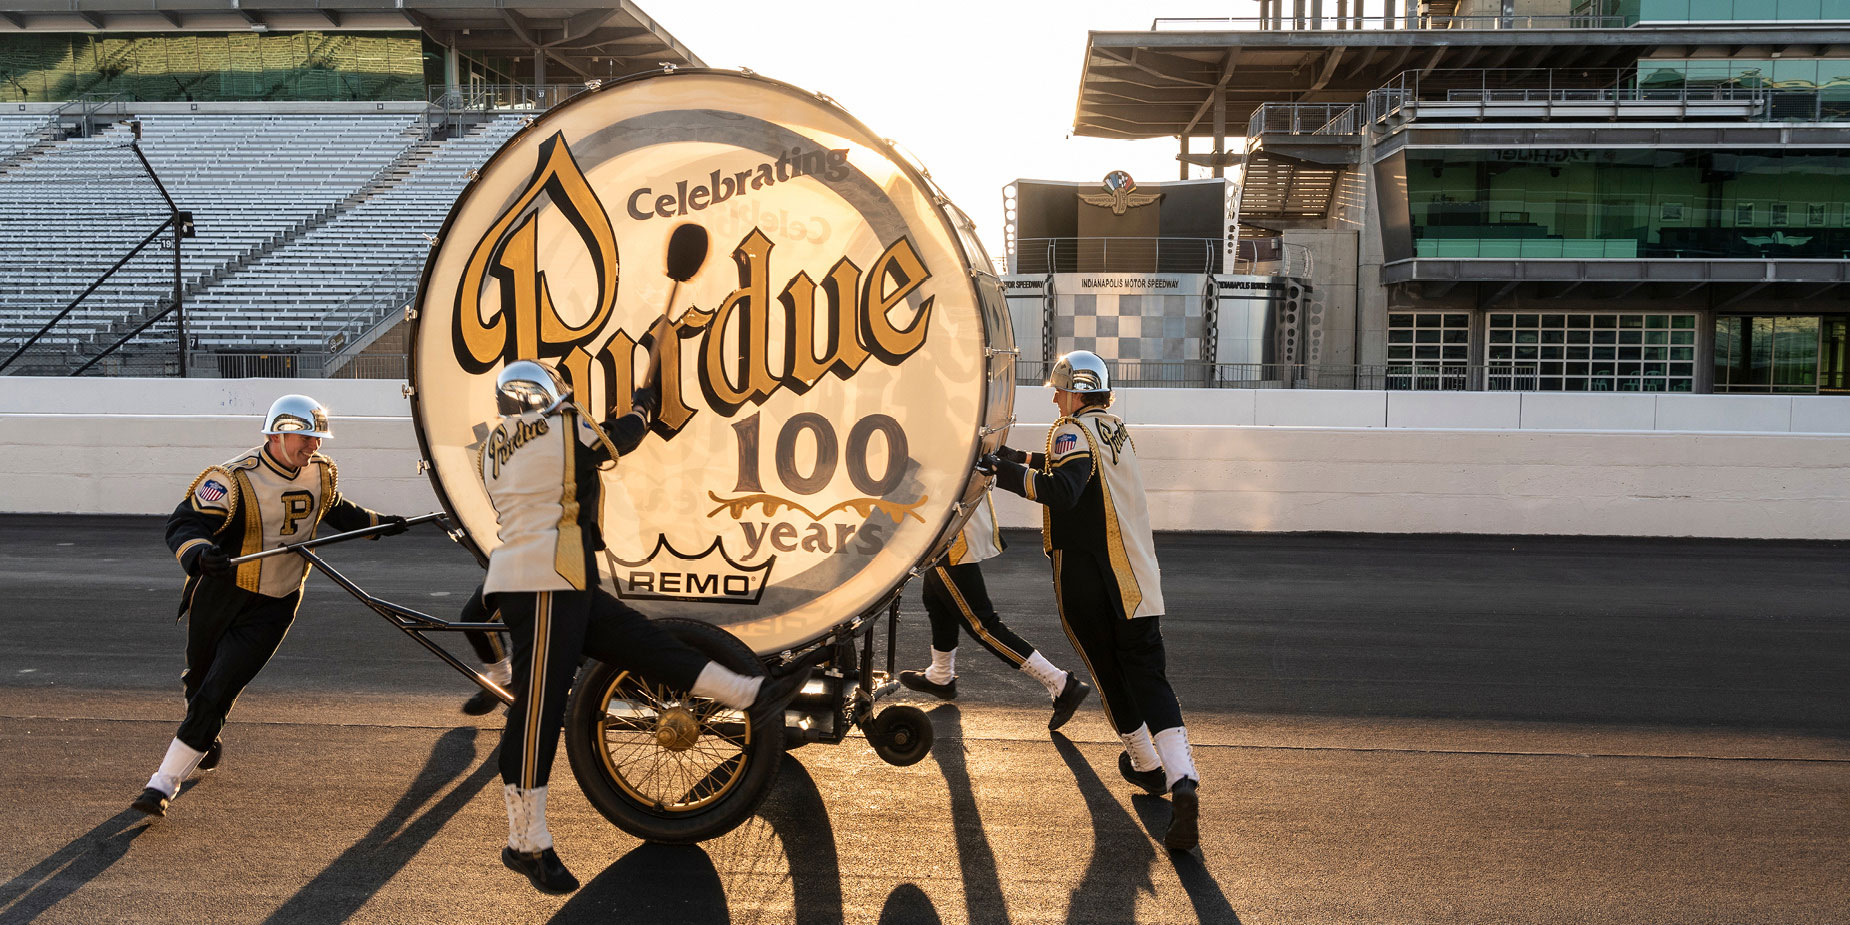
x=598, y=429
x=330, y=483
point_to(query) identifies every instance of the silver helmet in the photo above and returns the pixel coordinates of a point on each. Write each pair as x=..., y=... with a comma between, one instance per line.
x=297, y=414
x=1080, y=371
x=529, y=385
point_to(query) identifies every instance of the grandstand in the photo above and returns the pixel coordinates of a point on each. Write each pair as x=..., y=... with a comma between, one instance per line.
x=317, y=153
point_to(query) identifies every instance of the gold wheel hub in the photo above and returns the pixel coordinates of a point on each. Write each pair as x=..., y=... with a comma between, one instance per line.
x=677, y=730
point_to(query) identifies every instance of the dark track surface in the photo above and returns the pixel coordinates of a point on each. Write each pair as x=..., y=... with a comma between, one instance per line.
x=1408, y=729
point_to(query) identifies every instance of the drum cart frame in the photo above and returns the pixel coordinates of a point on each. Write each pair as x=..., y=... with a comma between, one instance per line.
x=842, y=690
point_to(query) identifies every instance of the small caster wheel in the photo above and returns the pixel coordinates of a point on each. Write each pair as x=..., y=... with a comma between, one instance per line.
x=901, y=735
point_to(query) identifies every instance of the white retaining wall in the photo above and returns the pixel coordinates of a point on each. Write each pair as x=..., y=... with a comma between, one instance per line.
x=1389, y=462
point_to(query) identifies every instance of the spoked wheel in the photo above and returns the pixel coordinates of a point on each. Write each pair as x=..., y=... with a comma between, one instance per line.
x=901, y=735
x=662, y=764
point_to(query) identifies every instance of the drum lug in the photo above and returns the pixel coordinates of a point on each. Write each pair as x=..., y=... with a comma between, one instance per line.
x=1002, y=351
x=423, y=466
x=411, y=312
x=593, y=84
x=472, y=174
x=668, y=67
x=408, y=389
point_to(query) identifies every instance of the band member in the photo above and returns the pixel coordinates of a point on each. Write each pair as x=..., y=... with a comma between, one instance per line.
x=956, y=595
x=1096, y=529
x=237, y=615
x=490, y=649
x=540, y=466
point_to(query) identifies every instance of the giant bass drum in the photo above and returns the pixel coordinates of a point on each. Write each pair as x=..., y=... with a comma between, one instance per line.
x=834, y=350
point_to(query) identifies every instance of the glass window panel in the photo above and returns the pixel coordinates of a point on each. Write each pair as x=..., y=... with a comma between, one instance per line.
x=1663, y=10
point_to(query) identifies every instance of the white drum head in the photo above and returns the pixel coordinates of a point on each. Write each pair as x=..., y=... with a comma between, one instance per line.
x=825, y=372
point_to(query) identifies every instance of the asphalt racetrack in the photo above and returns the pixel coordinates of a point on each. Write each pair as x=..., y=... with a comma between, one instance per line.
x=1390, y=729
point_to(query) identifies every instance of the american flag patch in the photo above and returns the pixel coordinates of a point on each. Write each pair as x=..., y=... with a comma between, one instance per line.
x=1065, y=443
x=211, y=491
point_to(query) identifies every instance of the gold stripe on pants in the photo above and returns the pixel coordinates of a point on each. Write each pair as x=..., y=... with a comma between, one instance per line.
x=536, y=689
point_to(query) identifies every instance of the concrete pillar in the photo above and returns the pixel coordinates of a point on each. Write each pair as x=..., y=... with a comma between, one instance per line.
x=1316, y=14
x=1297, y=14
x=539, y=69
x=1184, y=157
x=452, y=71
x=1388, y=19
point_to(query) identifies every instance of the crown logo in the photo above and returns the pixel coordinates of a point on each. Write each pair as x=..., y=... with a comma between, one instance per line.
x=708, y=576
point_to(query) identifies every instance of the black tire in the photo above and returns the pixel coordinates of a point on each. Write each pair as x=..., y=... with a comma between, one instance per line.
x=701, y=768
x=901, y=735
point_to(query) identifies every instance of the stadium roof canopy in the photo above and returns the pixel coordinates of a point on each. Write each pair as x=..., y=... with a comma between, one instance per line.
x=1161, y=84
x=580, y=38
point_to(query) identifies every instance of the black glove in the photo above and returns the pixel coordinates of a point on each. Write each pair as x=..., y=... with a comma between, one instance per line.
x=987, y=463
x=394, y=524
x=212, y=561
x=648, y=399
x=1011, y=476
x=1012, y=455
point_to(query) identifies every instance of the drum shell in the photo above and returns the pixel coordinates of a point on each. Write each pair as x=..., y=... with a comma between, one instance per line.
x=679, y=509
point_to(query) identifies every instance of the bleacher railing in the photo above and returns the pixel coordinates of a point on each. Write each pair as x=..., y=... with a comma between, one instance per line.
x=1271, y=257
x=502, y=97
x=1307, y=22
x=283, y=364
x=1335, y=119
x=378, y=301
x=1749, y=99
x=1398, y=377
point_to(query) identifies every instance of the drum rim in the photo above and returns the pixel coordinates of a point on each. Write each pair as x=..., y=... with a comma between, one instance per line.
x=941, y=207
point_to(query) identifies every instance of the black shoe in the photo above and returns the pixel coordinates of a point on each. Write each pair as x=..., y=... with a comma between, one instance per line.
x=919, y=682
x=543, y=868
x=1154, y=781
x=1184, y=823
x=210, y=760
x=1071, y=696
x=152, y=801
x=482, y=703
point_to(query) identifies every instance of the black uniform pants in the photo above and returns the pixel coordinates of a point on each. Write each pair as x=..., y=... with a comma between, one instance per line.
x=230, y=635
x=487, y=646
x=550, y=630
x=955, y=596
x=1125, y=656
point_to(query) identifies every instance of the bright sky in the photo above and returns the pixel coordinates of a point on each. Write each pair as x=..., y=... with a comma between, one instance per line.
x=981, y=93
